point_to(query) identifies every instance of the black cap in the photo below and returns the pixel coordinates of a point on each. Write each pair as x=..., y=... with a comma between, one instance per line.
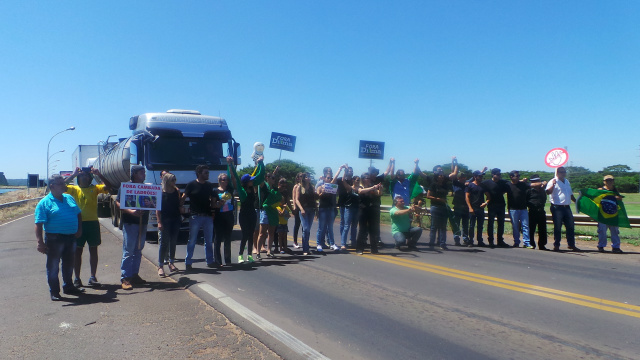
x=495, y=171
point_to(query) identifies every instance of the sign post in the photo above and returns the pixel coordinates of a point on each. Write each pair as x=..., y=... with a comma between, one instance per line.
x=556, y=157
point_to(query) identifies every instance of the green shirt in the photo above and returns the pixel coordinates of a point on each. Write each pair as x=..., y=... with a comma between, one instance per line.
x=399, y=223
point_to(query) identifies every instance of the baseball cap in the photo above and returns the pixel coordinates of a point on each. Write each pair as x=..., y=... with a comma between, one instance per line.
x=495, y=171
x=535, y=178
x=607, y=177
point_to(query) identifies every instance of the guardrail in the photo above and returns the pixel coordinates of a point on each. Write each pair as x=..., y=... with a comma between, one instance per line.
x=19, y=202
x=578, y=219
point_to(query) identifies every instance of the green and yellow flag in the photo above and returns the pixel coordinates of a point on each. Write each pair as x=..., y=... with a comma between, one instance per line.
x=603, y=207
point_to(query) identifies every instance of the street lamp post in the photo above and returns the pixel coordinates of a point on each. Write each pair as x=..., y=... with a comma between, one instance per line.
x=52, y=155
x=48, y=157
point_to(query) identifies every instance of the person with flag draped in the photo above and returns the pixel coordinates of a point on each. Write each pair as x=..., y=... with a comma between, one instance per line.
x=605, y=206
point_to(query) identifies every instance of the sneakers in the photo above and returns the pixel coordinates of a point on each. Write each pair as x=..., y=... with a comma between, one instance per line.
x=359, y=252
x=77, y=283
x=240, y=259
x=617, y=251
x=335, y=247
x=319, y=248
x=249, y=259
x=126, y=285
x=295, y=245
x=188, y=267
x=93, y=282
x=444, y=247
x=528, y=247
x=601, y=249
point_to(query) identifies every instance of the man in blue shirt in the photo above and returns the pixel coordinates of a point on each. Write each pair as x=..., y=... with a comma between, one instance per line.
x=58, y=222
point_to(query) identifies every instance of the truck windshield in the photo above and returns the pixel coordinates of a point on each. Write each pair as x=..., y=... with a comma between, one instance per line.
x=187, y=153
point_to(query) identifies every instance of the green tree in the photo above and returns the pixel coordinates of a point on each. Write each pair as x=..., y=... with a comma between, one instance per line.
x=288, y=169
x=616, y=170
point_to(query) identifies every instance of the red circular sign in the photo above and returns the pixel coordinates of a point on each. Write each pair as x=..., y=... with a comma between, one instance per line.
x=556, y=157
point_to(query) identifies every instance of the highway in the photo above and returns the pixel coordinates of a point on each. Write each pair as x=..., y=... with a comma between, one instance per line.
x=465, y=303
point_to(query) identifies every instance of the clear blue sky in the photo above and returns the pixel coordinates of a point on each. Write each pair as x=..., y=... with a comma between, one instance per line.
x=496, y=83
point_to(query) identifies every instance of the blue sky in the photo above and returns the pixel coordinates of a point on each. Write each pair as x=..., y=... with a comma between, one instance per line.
x=496, y=83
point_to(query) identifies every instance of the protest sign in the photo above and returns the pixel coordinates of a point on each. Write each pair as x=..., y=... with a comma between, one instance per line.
x=140, y=196
x=556, y=157
x=330, y=188
x=282, y=141
x=371, y=150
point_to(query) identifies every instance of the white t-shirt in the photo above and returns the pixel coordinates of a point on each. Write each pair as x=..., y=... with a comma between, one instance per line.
x=561, y=194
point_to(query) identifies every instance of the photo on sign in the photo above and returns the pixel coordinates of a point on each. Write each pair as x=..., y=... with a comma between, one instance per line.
x=330, y=188
x=140, y=196
x=147, y=202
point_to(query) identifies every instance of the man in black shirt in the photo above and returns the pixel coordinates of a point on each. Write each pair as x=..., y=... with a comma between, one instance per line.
x=200, y=192
x=459, y=202
x=474, y=196
x=517, y=196
x=536, y=199
x=496, y=188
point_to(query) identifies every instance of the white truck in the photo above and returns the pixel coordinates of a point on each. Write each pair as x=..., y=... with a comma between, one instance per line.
x=176, y=141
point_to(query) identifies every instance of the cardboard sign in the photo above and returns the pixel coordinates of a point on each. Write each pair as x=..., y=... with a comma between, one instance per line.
x=282, y=141
x=371, y=150
x=140, y=196
x=556, y=157
x=330, y=188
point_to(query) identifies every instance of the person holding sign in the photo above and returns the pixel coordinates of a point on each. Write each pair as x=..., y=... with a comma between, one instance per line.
x=134, y=231
x=560, y=197
x=369, y=213
x=223, y=219
x=326, y=188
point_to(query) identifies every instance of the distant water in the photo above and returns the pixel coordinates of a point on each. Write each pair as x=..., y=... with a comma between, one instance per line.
x=2, y=191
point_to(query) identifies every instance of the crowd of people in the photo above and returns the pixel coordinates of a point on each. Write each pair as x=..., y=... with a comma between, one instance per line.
x=66, y=219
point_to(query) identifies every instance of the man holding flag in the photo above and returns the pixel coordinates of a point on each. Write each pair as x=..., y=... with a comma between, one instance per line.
x=605, y=206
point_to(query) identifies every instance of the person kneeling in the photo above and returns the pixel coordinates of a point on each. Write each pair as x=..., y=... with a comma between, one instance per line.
x=401, y=229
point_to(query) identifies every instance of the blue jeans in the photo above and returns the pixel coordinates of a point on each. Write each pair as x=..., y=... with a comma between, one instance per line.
x=563, y=215
x=60, y=247
x=307, y=221
x=131, y=252
x=326, y=217
x=195, y=223
x=439, y=218
x=409, y=238
x=168, y=240
x=461, y=219
x=602, y=235
x=350, y=219
x=520, y=218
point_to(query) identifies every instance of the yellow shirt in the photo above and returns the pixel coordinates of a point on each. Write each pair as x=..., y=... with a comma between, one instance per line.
x=87, y=199
x=282, y=219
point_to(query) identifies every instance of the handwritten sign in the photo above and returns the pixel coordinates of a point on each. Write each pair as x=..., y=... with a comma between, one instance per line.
x=556, y=157
x=330, y=188
x=140, y=196
x=282, y=141
x=371, y=150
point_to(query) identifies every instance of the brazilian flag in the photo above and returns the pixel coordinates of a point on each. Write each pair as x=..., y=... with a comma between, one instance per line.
x=603, y=207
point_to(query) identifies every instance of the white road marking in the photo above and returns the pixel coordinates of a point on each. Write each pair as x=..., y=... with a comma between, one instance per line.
x=289, y=340
x=9, y=222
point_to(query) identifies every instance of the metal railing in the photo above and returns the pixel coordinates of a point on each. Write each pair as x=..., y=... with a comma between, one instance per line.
x=19, y=202
x=578, y=219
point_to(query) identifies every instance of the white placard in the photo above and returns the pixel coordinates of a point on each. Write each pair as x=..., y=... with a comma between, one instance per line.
x=330, y=188
x=140, y=196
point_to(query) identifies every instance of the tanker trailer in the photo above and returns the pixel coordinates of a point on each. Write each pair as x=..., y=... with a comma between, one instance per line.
x=176, y=141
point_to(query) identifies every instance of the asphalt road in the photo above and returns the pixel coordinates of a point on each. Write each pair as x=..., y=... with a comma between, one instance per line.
x=466, y=303
x=161, y=320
